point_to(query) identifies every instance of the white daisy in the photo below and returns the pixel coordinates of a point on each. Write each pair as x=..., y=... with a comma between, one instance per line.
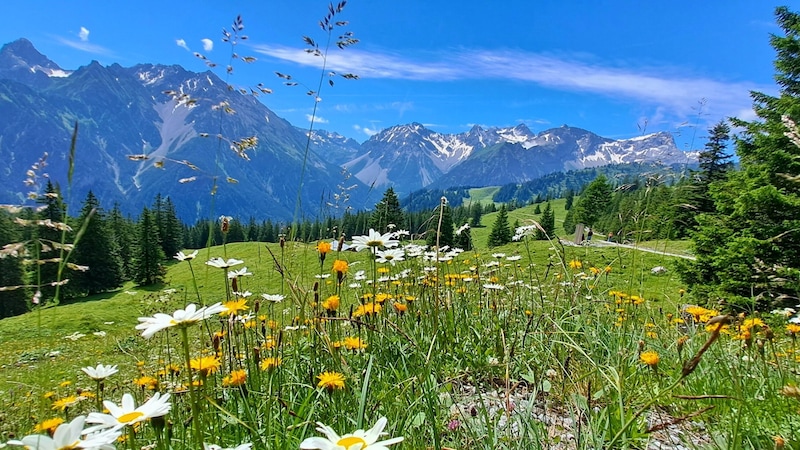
x=128, y=414
x=239, y=273
x=100, y=372
x=358, y=440
x=184, y=257
x=217, y=447
x=223, y=264
x=181, y=317
x=274, y=298
x=374, y=240
x=68, y=435
x=391, y=255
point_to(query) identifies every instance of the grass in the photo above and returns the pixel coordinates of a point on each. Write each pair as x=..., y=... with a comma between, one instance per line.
x=553, y=330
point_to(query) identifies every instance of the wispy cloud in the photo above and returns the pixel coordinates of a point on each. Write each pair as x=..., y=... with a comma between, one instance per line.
x=182, y=44
x=84, y=34
x=369, y=131
x=85, y=46
x=664, y=88
x=208, y=44
x=316, y=119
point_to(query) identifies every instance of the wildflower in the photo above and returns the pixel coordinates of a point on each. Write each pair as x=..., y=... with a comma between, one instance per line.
x=49, y=425
x=391, y=255
x=217, y=447
x=205, y=365
x=223, y=264
x=128, y=414
x=649, y=358
x=233, y=307
x=367, y=309
x=793, y=329
x=100, y=372
x=323, y=247
x=359, y=439
x=236, y=378
x=575, y=264
x=400, y=307
x=493, y=287
x=146, y=382
x=184, y=257
x=331, y=303
x=354, y=343
x=274, y=298
x=330, y=381
x=67, y=402
x=374, y=240
x=225, y=223
x=270, y=363
x=68, y=436
x=181, y=317
x=239, y=273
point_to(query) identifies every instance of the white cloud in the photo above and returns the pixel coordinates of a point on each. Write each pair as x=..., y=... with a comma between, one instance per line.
x=366, y=130
x=208, y=44
x=84, y=34
x=657, y=87
x=316, y=119
x=85, y=46
x=182, y=44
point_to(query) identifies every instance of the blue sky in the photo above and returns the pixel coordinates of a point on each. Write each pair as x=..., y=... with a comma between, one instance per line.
x=617, y=68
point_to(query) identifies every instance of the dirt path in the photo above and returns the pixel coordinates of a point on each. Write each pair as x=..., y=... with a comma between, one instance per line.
x=599, y=243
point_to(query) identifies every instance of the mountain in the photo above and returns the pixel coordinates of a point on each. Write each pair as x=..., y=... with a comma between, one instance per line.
x=411, y=156
x=123, y=114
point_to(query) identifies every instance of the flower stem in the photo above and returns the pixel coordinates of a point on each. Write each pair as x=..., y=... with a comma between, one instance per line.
x=196, y=419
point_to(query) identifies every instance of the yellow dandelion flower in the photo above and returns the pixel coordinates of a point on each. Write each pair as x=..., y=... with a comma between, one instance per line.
x=323, y=247
x=67, y=402
x=400, y=307
x=575, y=264
x=49, y=394
x=755, y=322
x=649, y=358
x=595, y=270
x=65, y=383
x=233, y=307
x=383, y=270
x=793, y=329
x=382, y=297
x=236, y=378
x=354, y=343
x=331, y=303
x=270, y=363
x=146, y=382
x=331, y=380
x=205, y=365
x=48, y=425
x=367, y=309
x=651, y=334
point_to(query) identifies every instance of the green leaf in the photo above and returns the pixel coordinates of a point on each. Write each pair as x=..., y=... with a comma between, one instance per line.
x=72, y=153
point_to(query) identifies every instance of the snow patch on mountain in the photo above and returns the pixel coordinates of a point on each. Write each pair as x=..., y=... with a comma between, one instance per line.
x=174, y=131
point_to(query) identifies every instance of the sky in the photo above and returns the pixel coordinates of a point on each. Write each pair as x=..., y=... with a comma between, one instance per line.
x=617, y=68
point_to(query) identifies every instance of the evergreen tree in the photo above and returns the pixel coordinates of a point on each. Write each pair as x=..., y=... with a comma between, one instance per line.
x=501, y=233
x=47, y=242
x=463, y=238
x=748, y=247
x=476, y=211
x=538, y=209
x=446, y=232
x=122, y=230
x=12, y=302
x=548, y=223
x=96, y=250
x=387, y=211
x=569, y=197
x=171, y=229
x=593, y=202
x=149, y=256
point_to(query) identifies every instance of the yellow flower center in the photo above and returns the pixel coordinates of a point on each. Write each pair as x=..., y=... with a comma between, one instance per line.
x=129, y=418
x=349, y=441
x=72, y=446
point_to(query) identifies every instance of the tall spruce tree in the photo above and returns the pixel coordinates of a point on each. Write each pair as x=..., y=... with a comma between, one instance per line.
x=501, y=232
x=12, y=302
x=446, y=233
x=149, y=255
x=548, y=223
x=122, y=231
x=97, y=250
x=387, y=211
x=47, y=241
x=748, y=248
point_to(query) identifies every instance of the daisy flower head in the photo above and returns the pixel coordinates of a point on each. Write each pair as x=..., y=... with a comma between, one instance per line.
x=100, y=372
x=390, y=255
x=274, y=298
x=181, y=317
x=239, y=273
x=68, y=435
x=128, y=414
x=374, y=241
x=223, y=264
x=357, y=440
x=217, y=447
x=184, y=257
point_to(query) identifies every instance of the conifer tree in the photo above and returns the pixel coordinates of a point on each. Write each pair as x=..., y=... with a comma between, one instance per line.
x=12, y=302
x=387, y=211
x=96, y=250
x=122, y=231
x=748, y=248
x=171, y=229
x=446, y=232
x=501, y=233
x=476, y=211
x=47, y=241
x=463, y=238
x=149, y=256
x=548, y=223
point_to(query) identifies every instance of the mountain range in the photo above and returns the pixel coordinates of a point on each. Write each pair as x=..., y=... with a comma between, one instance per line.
x=135, y=141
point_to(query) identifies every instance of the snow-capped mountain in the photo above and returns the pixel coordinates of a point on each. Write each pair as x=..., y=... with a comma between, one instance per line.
x=410, y=157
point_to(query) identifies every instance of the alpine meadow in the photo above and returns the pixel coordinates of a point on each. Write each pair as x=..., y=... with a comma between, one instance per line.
x=183, y=268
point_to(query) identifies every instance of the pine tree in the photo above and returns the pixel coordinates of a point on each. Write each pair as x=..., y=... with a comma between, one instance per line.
x=97, y=250
x=12, y=302
x=748, y=248
x=593, y=202
x=149, y=256
x=548, y=223
x=47, y=241
x=122, y=231
x=476, y=211
x=569, y=197
x=538, y=209
x=387, y=211
x=501, y=233
x=171, y=230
